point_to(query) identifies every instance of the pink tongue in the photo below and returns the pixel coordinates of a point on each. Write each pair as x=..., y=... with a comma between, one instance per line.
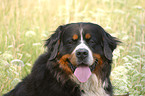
x=82, y=73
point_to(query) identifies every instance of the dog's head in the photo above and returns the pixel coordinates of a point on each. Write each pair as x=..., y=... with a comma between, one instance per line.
x=81, y=48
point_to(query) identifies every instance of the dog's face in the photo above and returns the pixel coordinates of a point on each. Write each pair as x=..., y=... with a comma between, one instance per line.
x=81, y=46
x=82, y=42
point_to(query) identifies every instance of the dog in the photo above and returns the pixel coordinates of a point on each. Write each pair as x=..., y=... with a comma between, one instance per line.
x=77, y=63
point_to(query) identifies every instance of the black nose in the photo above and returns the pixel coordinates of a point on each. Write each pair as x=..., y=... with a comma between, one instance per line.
x=82, y=53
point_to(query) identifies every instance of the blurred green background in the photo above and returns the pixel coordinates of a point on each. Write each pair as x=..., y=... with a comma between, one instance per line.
x=25, y=24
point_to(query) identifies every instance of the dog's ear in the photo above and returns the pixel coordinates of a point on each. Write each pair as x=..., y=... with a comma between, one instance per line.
x=53, y=43
x=109, y=43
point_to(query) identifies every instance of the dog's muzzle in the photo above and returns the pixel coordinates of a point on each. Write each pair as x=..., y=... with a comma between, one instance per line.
x=92, y=67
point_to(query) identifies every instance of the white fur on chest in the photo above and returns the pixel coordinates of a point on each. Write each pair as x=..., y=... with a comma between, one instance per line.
x=93, y=87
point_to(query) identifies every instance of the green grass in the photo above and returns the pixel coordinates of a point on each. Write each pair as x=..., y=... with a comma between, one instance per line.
x=25, y=24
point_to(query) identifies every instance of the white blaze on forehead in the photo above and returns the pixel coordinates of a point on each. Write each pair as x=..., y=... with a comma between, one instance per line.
x=81, y=33
x=84, y=46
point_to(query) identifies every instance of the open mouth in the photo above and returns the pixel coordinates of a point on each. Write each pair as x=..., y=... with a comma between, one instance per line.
x=83, y=71
x=92, y=67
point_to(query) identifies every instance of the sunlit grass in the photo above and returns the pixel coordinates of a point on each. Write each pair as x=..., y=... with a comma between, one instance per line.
x=25, y=24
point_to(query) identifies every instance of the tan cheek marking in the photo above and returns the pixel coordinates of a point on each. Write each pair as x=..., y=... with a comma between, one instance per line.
x=97, y=70
x=64, y=64
x=87, y=36
x=75, y=37
x=73, y=59
x=97, y=56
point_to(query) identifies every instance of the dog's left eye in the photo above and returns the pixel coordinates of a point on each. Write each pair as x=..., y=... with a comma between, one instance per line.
x=92, y=42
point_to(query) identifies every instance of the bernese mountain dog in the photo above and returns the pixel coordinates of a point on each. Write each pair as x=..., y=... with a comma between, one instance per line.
x=77, y=63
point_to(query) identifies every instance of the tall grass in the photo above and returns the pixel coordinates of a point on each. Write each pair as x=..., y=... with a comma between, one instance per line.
x=25, y=24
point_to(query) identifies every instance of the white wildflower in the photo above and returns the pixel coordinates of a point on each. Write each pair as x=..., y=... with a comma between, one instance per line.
x=30, y=33
x=17, y=62
x=36, y=44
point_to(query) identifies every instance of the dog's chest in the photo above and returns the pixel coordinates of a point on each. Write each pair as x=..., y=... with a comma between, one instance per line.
x=93, y=87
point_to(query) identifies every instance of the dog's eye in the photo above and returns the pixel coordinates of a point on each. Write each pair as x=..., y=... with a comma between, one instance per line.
x=92, y=42
x=70, y=42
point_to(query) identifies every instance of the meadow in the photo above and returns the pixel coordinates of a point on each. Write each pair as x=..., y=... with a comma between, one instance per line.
x=26, y=24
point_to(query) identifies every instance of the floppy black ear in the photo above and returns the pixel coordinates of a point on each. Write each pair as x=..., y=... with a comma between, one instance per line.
x=53, y=43
x=110, y=43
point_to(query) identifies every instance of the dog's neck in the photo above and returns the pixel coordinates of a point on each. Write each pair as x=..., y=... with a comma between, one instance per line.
x=93, y=87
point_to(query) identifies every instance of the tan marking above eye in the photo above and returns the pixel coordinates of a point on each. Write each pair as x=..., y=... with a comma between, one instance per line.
x=87, y=36
x=75, y=37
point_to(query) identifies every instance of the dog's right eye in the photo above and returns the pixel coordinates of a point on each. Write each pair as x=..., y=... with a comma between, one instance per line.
x=70, y=42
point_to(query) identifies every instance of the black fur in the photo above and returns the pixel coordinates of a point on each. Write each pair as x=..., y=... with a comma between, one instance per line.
x=43, y=81
x=48, y=79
